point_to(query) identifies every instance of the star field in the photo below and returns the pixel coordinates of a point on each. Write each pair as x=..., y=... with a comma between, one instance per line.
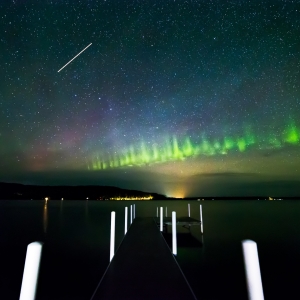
x=169, y=94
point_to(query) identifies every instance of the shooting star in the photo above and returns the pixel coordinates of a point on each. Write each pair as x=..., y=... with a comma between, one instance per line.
x=75, y=57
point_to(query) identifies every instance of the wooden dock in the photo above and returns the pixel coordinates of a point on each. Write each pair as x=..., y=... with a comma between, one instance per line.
x=185, y=222
x=143, y=268
x=179, y=221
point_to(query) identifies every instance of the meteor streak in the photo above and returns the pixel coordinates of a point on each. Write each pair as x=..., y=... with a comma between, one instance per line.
x=75, y=57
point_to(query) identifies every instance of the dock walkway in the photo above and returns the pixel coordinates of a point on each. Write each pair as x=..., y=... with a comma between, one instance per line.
x=179, y=221
x=143, y=268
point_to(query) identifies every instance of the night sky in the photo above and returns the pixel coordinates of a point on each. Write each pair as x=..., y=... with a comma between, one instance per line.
x=183, y=98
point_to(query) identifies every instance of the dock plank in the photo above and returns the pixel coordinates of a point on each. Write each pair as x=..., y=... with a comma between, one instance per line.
x=179, y=221
x=143, y=268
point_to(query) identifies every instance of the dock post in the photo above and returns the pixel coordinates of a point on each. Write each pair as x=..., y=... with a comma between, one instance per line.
x=112, y=235
x=201, y=219
x=133, y=211
x=161, y=219
x=130, y=214
x=166, y=212
x=189, y=209
x=126, y=220
x=252, y=270
x=174, y=238
x=31, y=271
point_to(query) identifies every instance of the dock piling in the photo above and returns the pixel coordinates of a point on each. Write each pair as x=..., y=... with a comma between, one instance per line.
x=252, y=270
x=31, y=271
x=189, y=209
x=166, y=212
x=112, y=235
x=174, y=237
x=130, y=214
x=133, y=211
x=126, y=220
x=201, y=219
x=161, y=219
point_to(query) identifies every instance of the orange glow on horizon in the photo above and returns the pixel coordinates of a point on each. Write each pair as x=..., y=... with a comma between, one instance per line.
x=175, y=191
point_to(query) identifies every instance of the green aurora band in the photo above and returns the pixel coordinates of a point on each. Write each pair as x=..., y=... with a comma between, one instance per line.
x=174, y=150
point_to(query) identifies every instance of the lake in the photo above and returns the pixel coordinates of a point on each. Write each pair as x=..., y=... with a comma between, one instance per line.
x=76, y=245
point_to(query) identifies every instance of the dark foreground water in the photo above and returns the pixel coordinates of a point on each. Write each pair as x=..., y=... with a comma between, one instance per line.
x=76, y=245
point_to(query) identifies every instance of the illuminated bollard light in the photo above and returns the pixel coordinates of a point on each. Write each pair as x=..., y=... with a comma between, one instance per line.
x=252, y=270
x=31, y=271
x=174, y=238
x=130, y=214
x=126, y=220
x=201, y=219
x=161, y=219
x=189, y=209
x=112, y=235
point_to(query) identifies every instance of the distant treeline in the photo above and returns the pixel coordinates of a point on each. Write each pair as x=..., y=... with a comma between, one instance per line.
x=15, y=191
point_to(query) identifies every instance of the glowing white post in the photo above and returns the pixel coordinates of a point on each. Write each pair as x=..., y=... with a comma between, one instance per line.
x=201, y=219
x=161, y=219
x=31, y=271
x=252, y=270
x=130, y=214
x=166, y=212
x=112, y=235
x=126, y=220
x=174, y=238
x=189, y=209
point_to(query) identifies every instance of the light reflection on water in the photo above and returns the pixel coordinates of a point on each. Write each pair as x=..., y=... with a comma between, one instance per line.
x=45, y=217
x=76, y=245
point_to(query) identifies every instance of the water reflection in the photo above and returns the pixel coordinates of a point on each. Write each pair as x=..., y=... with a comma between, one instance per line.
x=86, y=210
x=202, y=245
x=61, y=211
x=61, y=207
x=45, y=216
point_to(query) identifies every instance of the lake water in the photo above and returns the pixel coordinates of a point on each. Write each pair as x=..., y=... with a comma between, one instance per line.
x=76, y=245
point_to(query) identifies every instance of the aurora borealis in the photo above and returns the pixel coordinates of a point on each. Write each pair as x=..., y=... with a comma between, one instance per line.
x=171, y=150
x=184, y=98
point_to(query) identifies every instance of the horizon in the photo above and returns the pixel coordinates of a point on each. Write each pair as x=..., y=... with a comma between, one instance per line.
x=177, y=98
x=150, y=193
